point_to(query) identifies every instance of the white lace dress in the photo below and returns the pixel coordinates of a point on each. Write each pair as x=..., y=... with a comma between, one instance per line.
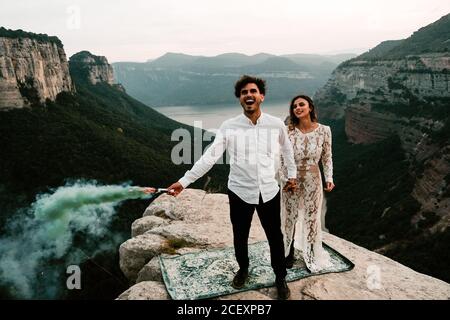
x=302, y=211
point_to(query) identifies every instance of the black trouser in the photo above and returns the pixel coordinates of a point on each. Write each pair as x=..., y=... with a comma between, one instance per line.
x=291, y=251
x=241, y=214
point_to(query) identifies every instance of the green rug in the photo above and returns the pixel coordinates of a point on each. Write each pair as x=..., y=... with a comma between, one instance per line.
x=208, y=273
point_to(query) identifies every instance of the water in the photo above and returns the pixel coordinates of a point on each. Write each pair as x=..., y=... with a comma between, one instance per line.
x=211, y=117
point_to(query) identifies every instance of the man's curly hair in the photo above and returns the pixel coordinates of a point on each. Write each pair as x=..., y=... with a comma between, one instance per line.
x=245, y=80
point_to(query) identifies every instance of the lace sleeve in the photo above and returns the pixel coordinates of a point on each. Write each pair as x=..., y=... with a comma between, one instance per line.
x=327, y=156
x=282, y=173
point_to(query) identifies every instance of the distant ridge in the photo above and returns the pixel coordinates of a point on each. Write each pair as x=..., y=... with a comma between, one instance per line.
x=433, y=38
x=181, y=79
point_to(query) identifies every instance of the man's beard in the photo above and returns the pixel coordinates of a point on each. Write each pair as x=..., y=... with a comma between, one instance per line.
x=250, y=111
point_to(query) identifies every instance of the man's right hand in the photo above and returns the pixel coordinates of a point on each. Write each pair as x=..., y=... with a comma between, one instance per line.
x=175, y=189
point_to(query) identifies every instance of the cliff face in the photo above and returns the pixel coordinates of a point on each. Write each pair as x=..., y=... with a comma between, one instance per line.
x=34, y=68
x=366, y=93
x=202, y=221
x=380, y=98
x=31, y=71
x=424, y=75
x=401, y=88
x=91, y=68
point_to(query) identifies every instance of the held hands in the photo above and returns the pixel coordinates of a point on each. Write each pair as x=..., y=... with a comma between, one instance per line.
x=329, y=186
x=291, y=185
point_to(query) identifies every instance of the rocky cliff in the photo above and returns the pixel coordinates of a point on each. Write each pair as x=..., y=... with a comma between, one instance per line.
x=393, y=87
x=401, y=88
x=196, y=220
x=91, y=68
x=372, y=96
x=33, y=68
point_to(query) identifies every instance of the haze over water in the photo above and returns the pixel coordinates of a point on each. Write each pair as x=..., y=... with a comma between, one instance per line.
x=213, y=116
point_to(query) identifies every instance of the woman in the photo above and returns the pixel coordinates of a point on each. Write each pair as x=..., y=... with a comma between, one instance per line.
x=302, y=208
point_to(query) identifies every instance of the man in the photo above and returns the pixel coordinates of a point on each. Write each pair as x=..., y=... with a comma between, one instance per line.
x=253, y=141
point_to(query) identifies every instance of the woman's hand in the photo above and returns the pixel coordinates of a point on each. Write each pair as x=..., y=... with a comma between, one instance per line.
x=329, y=186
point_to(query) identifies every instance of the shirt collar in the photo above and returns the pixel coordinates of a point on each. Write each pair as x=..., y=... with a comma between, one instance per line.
x=259, y=121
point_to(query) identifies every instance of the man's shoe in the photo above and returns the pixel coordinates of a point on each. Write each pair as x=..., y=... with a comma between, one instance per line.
x=239, y=279
x=283, y=290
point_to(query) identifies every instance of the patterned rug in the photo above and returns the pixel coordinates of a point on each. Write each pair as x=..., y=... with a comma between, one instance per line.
x=209, y=273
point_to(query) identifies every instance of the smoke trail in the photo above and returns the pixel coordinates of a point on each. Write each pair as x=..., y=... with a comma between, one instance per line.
x=41, y=236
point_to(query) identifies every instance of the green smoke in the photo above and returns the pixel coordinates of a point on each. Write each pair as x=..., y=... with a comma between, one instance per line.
x=45, y=232
x=73, y=204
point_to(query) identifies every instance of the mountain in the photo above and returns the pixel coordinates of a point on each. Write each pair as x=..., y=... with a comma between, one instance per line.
x=179, y=79
x=390, y=111
x=39, y=37
x=91, y=130
x=430, y=39
x=229, y=60
x=33, y=68
x=380, y=50
x=280, y=64
x=172, y=60
x=316, y=59
x=95, y=69
x=433, y=38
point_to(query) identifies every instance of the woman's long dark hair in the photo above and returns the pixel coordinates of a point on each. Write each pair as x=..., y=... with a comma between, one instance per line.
x=293, y=120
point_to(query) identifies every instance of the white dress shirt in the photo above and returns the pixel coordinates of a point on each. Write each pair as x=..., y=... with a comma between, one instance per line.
x=253, y=154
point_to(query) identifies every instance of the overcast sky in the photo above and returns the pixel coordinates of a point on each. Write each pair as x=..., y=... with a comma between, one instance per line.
x=137, y=30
